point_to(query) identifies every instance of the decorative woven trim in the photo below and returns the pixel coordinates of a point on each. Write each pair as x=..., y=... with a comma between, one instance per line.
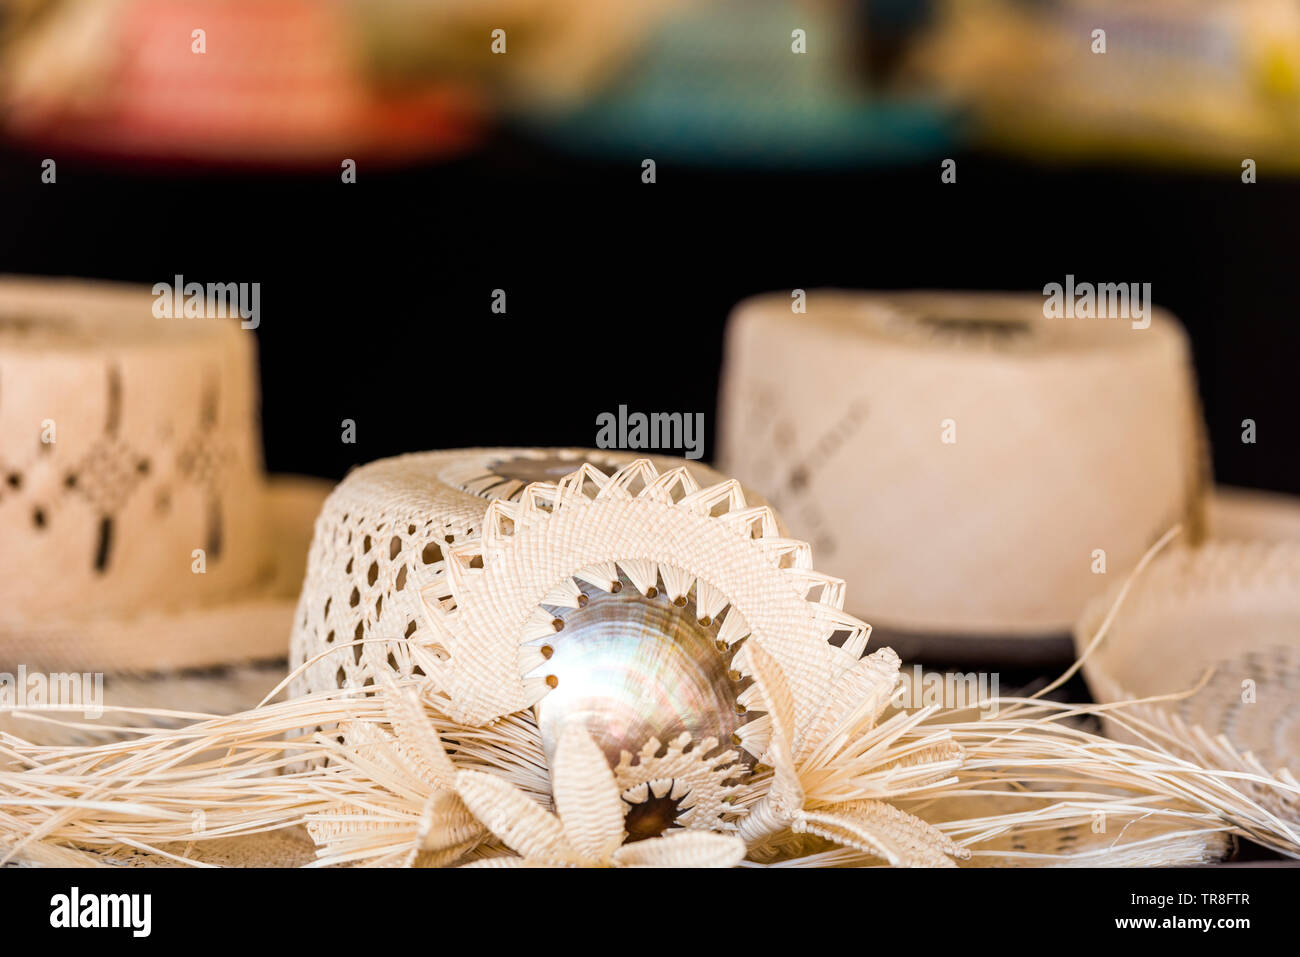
x=587, y=830
x=380, y=538
x=505, y=473
x=700, y=782
x=487, y=603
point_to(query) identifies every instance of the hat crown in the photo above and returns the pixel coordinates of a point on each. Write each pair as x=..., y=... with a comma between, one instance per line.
x=130, y=456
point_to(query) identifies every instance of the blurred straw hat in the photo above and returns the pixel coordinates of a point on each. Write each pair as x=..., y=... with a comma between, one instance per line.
x=1229, y=609
x=1246, y=514
x=975, y=469
x=1219, y=628
x=140, y=532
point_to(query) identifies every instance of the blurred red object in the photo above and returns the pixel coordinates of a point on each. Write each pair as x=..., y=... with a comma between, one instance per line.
x=275, y=82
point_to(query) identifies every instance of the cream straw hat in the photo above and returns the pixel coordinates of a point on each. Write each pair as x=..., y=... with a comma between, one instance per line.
x=1219, y=628
x=615, y=668
x=383, y=533
x=139, y=531
x=962, y=460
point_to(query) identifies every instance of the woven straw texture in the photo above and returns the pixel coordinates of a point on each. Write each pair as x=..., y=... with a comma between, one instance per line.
x=382, y=536
x=456, y=766
x=128, y=442
x=291, y=847
x=1233, y=607
x=487, y=603
x=155, y=453
x=1070, y=435
x=226, y=689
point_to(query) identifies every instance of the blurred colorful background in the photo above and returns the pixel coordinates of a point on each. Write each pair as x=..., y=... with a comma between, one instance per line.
x=1186, y=81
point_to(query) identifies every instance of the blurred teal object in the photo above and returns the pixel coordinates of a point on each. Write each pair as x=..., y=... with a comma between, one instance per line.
x=721, y=85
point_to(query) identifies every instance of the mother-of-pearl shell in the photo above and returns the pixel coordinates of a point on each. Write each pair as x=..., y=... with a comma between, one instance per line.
x=634, y=667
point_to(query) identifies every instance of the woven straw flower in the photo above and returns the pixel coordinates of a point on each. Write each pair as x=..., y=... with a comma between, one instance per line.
x=703, y=790
x=812, y=706
x=871, y=826
x=587, y=830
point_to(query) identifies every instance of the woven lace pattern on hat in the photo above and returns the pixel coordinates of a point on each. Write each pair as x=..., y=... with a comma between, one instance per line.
x=381, y=537
x=130, y=472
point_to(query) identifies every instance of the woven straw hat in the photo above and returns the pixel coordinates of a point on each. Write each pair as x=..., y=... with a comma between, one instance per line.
x=140, y=533
x=1230, y=610
x=382, y=536
x=631, y=649
x=962, y=460
x=486, y=595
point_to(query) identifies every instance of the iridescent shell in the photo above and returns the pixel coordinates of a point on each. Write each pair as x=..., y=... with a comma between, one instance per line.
x=635, y=667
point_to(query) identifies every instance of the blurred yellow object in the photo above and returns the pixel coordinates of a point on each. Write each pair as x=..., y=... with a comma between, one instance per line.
x=1277, y=71
x=1191, y=80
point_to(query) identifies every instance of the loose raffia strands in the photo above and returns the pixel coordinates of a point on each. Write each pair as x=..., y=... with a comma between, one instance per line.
x=169, y=796
x=457, y=766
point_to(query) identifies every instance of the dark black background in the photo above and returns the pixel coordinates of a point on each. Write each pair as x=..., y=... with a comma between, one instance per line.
x=376, y=296
x=236, y=908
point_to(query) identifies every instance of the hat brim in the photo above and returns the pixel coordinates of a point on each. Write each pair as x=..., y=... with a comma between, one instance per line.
x=1224, y=612
x=254, y=627
x=1243, y=514
x=203, y=661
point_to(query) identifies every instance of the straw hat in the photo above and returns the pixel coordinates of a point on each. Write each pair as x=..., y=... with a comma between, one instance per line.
x=1216, y=628
x=382, y=535
x=140, y=533
x=967, y=463
x=642, y=654
x=384, y=563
